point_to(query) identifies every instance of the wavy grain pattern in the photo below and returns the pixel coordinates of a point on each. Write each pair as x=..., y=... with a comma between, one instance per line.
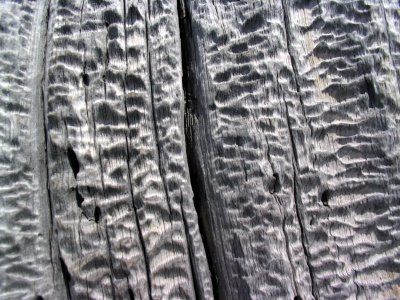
x=178, y=149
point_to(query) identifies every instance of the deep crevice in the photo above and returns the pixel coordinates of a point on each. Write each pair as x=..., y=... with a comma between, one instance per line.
x=196, y=282
x=199, y=198
x=73, y=160
x=276, y=184
x=183, y=25
x=85, y=79
x=196, y=178
x=66, y=277
x=97, y=214
x=182, y=30
x=45, y=135
x=373, y=101
x=79, y=198
x=47, y=161
x=131, y=295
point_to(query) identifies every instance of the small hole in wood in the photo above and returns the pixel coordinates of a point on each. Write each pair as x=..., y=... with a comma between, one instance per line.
x=325, y=198
x=85, y=79
x=297, y=298
x=97, y=214
x=73, y=160
x=275, y=185
x=39, y=298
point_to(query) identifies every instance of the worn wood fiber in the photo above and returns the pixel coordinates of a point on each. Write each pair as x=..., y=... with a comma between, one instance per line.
x=208, y=149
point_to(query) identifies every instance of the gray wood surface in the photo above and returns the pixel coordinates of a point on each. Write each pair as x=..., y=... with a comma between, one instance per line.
x=208, y=149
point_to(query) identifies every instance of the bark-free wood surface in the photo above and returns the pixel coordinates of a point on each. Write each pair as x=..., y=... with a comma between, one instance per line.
x=208, y=149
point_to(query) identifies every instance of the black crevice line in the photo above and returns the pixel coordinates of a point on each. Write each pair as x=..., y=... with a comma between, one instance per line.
x=390, y=42
x=289, y=43
x=295, y=283
x=141, y=238
x=101, y=170
x=47, y=168
x=85, y=87
x=64, y=270
x=130, y=293
x=196, y=177
x=66, y=276
x=128, y=158
x=46, y=139
x=44, y=108
x=84, y=75
x=302, y=232
x=110, y=261
x=297, y=199
x=80, y=20
x=196, y=280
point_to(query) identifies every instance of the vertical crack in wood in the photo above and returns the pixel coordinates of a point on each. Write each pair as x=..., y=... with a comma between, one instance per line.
x=297, y=197
x=390, y=42
x=297, y=200
x=192, y=156
x=110, y=262
x=44, y=109
x=303, y=239
x=183, y=38
x=66, y=276
x=196, y=281
x=43, y=102
x=288, y=35
x=81, y=14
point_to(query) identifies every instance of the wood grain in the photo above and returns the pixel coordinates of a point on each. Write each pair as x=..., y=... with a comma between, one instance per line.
x=160, y=149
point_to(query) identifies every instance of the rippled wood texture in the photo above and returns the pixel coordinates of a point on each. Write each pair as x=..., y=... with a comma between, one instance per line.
x=208, y=149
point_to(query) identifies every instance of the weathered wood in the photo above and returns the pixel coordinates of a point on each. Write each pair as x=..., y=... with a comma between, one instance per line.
x=296, y=106
x=178, y=149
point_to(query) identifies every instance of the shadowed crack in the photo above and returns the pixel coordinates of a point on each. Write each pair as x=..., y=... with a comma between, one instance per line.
x=196, y=178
